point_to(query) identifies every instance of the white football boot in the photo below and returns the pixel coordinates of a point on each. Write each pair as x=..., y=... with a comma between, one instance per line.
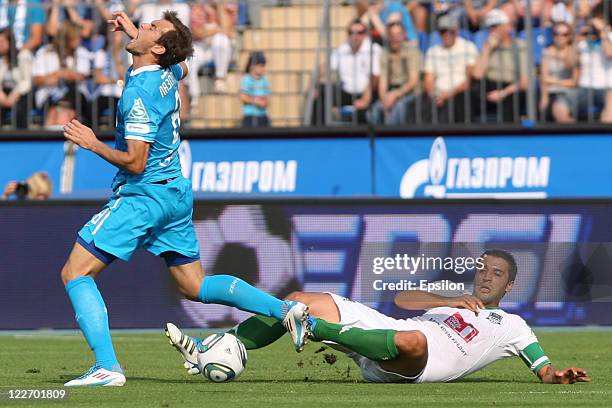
x=295, y=323
x=185, y=345
x=98, y=376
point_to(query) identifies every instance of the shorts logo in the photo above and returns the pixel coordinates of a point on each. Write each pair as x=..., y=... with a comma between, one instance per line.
x=138, y=113
x=494, y=318
x=465, y=330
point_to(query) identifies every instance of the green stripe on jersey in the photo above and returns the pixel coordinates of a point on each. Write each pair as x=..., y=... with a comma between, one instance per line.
x=534, y=357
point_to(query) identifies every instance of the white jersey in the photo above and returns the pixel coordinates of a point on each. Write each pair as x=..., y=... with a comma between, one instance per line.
x=459, y=342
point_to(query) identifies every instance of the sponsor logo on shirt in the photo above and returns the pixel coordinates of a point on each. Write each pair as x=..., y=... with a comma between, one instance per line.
x=141, y=128
x=138, y=113
x=465, y=330
x=494, y=318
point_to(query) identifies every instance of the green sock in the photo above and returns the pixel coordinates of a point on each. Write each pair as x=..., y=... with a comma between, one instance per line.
x=258, y=331
x=378, y=345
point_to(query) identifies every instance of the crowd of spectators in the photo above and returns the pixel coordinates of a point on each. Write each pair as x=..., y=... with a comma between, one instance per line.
x=415, y=61
x=448, y=61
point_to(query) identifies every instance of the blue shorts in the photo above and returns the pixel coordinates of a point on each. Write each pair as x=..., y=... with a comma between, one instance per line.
x=156, y=217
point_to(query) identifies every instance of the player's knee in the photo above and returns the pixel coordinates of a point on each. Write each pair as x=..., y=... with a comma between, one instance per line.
x=298, y=296
x=69, y=272
x=191, y=289
x=412, y=344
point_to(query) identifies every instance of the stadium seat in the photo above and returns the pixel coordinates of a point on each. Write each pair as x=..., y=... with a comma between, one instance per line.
x=480, y=37
x=542, y=38
x=423, y=41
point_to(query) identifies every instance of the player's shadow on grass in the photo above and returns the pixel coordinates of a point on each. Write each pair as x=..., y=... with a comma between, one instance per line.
x=67, y=377
x=491, y=380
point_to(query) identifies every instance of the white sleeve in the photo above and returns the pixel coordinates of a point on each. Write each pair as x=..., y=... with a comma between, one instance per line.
x=39, y=65
x=376, y=53
x=472, y=53
x=83, y=61
x=522, y=336
x=100, y=59
x=333, y=60
x=429, y=65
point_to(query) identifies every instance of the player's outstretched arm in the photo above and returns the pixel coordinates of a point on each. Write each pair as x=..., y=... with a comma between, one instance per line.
x=134, y=160
x=121, y=22
x=550, y=375
x=421, y=300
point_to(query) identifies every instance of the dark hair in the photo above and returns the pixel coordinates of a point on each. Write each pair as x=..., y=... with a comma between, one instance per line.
x=12, y=51
x=255, y=57
x=506, y=256
x=356, y=21
x=178, y=42
x=394, y=23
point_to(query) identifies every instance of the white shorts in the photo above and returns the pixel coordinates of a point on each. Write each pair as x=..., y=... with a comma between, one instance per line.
x=359, y=315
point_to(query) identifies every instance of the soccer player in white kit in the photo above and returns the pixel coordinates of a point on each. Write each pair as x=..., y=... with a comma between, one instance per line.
x=456, y=336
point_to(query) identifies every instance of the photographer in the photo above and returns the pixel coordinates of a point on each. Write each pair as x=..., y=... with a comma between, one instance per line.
x=37, y=187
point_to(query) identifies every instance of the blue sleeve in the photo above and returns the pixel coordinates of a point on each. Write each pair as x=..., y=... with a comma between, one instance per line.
x=177, y=70
x=408, y=25
x=37, y=14
x=245, y=85
x=141, y=119
x=266, y=86
x=397, y=7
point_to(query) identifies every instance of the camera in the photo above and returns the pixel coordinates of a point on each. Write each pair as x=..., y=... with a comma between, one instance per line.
x=22, y=189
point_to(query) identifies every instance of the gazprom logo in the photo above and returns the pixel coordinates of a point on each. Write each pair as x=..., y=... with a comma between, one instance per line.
x=266, y=176
x=476, y=177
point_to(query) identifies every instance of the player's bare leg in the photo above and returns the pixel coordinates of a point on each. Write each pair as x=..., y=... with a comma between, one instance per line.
x=189, y=278
x=81, y=263
x=412, y=347
x=320, y=305
x=78, y=275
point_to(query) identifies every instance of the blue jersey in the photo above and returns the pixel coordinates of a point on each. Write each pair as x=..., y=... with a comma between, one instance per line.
x=254, y=87
x=148, y=110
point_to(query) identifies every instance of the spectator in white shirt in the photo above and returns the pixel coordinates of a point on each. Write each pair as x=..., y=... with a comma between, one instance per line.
x=149, y=10
x=15, y=83
x=214, y=32
x=595, y=81
x=448, y=69
x=59, y=72
x=110, y=64
x=356, y=66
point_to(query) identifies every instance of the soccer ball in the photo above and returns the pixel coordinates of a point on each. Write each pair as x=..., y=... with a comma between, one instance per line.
x=223, y=357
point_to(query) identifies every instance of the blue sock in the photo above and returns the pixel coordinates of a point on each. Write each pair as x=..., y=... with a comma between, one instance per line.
x=92, y=318
x=231, y=291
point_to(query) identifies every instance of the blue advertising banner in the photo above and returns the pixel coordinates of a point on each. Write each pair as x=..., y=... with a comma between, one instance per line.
x=563, y=252
x=538, y=166
x=301, y=167
x=494, y=166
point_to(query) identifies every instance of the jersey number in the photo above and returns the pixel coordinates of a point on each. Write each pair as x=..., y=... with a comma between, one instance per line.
x=176, y=117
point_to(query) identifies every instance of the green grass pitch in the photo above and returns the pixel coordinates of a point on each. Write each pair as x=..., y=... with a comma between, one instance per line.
x=277, y=376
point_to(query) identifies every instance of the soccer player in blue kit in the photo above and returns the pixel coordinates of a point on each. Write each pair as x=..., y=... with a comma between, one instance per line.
x=152, y=204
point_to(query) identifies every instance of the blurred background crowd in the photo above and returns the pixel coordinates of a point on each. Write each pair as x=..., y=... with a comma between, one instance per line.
x=315, y=62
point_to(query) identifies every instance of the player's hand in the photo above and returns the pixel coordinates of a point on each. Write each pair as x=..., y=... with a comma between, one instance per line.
x=441, y=98
x=121, y=22
x=80, y=134
x=10, y=188
x=495, y=96
x=469, y=302
x=570, y=376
